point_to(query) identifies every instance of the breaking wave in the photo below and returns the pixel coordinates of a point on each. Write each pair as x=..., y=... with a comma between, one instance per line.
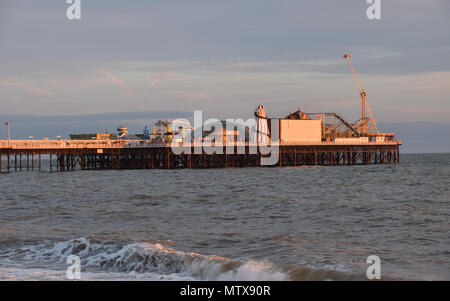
x=155, y=258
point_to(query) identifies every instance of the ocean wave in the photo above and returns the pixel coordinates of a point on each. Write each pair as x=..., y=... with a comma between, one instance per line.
x=144, y=257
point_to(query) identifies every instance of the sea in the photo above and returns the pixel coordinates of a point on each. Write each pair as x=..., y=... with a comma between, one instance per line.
x=271, y=223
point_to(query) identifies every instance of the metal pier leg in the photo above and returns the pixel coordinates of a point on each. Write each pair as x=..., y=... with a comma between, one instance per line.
x=226, y=160
x=281, y=158
x=295, y=156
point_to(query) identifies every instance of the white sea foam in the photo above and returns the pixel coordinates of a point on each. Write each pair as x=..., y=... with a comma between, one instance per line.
x=144, y=261
x=139, y=261
x=40, y=274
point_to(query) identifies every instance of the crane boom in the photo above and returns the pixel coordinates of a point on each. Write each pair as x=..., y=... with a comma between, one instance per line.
x=363, y=98
x=371, y=117
x=358, y=85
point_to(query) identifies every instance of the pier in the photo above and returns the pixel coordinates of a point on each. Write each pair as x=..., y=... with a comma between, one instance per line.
x=71, y=155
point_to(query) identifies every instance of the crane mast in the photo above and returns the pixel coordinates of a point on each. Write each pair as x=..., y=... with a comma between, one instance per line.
x=363, y=100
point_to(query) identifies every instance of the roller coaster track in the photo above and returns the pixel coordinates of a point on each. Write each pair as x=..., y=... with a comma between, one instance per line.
x=346, y=123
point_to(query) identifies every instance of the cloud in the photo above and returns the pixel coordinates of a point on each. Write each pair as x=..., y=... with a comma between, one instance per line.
x=383, y=55
x=29, y=87
x=156, y=79
x=119, y=82
x=191, y=95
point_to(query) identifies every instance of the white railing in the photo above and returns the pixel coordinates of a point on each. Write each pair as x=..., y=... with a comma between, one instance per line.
x=60, y=144
x=340, y=142
x=96, y=144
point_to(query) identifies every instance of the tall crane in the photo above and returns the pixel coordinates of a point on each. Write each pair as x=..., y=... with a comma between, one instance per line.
x=363, y=99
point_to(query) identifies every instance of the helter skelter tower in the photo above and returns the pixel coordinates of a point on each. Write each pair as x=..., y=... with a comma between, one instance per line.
x=262, y=135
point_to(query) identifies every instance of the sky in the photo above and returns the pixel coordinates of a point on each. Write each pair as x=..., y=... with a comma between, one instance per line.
x=134, y=62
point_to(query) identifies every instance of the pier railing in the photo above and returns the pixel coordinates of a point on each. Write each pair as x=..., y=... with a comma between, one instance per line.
x=61, y=144
x=95, y=144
